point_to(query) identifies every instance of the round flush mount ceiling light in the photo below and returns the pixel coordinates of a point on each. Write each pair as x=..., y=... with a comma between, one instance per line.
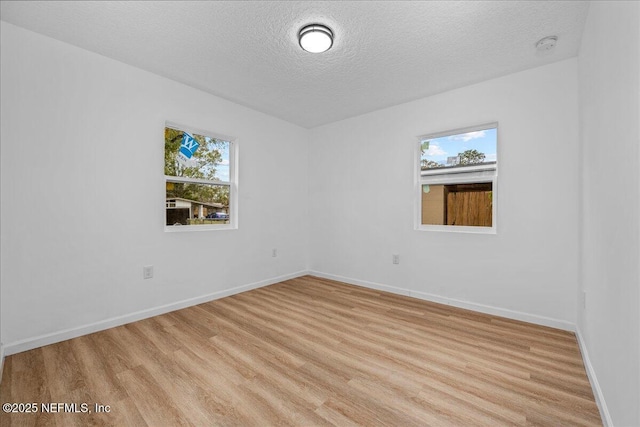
x=546, y=44
x=315, y=38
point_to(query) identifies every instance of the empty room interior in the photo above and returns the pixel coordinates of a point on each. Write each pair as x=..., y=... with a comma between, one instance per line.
x=320, y=213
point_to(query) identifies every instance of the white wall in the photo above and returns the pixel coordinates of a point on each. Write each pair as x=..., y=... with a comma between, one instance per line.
x=609, y=71
x=83, y=193
x=361, y=210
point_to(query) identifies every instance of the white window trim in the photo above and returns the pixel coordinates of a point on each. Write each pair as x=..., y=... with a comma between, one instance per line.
x=472, y=174
x=232, y=184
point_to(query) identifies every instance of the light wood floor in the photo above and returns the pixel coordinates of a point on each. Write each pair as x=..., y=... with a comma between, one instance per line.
x=309, y=352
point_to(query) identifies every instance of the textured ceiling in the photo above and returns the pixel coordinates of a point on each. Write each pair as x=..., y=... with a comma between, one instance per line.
x=384, y=53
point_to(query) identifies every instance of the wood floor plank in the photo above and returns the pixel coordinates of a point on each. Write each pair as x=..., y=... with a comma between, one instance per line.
x=98, y=376
x=152, y=401
x=61, y=364
x=125, y=413
x=222, y=393
x=309, y=352
x=157, y=333
x=6, y=384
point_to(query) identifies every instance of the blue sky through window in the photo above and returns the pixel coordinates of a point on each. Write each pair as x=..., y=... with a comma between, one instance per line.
x=444, y=147
x=222, y=168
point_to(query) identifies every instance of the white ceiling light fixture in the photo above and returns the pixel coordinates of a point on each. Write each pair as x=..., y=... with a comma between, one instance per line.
x=315, y=38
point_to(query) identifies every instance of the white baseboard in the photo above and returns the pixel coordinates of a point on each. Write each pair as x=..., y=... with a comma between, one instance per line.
x=54, y=337
x=595, y=385
x=495, y=311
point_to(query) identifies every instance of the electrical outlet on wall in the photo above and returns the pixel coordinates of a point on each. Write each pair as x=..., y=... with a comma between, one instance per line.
x=395, y=258
x=147, y=272
x=274, y=252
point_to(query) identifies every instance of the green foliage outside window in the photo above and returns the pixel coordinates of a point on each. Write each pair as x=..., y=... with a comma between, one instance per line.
x=207, y=159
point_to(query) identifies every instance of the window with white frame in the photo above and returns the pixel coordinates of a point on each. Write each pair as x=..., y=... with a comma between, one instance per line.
x=457, y=180
x=200, y=179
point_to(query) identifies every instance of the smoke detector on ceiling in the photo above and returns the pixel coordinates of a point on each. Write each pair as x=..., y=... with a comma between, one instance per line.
x=546, y=44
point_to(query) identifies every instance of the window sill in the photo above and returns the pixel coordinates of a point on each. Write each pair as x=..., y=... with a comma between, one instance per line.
x=457, y=229
x=192, y=228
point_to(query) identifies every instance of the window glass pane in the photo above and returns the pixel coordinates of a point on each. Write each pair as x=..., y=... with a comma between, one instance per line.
x=468, y=204
x=460, y=150
x=196, y=204
x=195, y=156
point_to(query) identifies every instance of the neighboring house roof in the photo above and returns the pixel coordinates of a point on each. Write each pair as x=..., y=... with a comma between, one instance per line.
x=476, y=167
x=213, y=205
